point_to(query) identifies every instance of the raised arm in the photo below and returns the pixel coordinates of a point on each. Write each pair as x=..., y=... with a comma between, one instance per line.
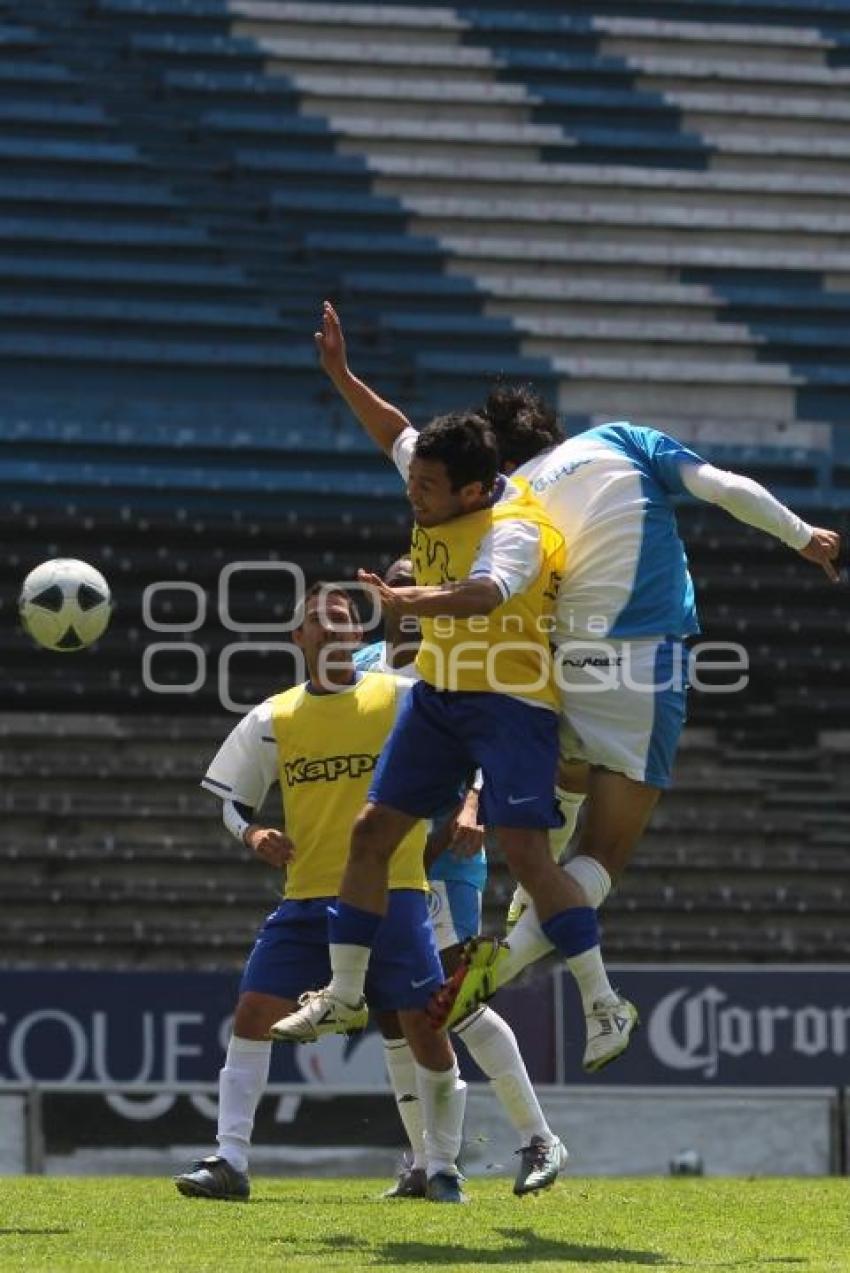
x=753, y=504
x=381, y=420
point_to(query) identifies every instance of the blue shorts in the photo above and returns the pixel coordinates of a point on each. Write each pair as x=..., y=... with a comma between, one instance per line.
x=291, y=953
x=441, y=734
x=455, y=908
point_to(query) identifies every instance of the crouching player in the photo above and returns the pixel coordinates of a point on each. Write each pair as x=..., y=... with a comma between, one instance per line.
x=321, y=741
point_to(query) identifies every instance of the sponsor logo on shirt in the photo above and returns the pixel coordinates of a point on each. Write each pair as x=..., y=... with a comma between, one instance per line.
x=566, y=470
x=328, y=768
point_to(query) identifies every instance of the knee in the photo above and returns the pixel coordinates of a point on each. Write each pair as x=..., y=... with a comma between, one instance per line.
x=256, y=1014
x=431, y=1048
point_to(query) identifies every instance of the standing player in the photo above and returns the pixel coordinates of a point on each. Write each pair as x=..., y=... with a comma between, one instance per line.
x=457, y=876
x=626, y=586
x=487, y=562
x=321, y=741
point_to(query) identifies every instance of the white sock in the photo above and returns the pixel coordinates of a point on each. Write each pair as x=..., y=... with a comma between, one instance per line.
x=443, y=1097
x=493, y=1046
x=592, y=979
x=569, y=803
x=559, y=837
x=592, y=878
x=348, y=966
x=240, y=1085
x=401, y=1069
x=526, y=943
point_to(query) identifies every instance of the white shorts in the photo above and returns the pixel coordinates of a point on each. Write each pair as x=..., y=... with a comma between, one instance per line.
x=455, y=910
x=623, y=705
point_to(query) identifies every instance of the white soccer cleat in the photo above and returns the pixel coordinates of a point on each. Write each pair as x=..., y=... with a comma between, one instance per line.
x=609, y=1031
x=320, y=1013
x=539, y=1164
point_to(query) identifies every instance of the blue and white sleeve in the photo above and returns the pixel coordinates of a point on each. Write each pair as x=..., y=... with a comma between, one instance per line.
x=668, y=457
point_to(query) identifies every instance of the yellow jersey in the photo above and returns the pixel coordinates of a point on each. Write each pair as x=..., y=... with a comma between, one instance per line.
x=327, y=749
x=508, y=650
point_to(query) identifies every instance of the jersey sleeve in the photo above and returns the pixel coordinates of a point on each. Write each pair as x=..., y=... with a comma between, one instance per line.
x=402, y=451
x=667, y=458
x=245, y=765
x=747, y=501
x=509, y=554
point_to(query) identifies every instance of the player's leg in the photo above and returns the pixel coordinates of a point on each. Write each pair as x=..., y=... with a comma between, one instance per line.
x=289, y=954
x=493, y=1046
x=442, y=1096
x=629, y=733
x=455, y=908
x=570, y=794
x=420, y=770
x=401, y=1071
x=405, y=968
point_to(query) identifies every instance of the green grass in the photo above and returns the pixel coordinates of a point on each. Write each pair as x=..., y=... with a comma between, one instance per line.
x=601, y=1226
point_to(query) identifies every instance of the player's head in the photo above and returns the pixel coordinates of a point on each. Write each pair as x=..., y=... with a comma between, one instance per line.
x=404, y=635
x=454, y=465
x=523, y=423
x=400, y=573
x=327, y=629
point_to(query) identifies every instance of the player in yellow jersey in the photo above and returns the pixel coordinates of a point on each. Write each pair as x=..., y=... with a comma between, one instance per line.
x=487, y=561
x=321, y=741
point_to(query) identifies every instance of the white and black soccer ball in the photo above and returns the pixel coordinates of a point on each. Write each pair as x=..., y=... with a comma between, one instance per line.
x=686, y=1163
x=65, y=604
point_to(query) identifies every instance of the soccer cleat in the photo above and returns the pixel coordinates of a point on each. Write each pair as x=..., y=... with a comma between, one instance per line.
x=214, y=1177
x=445, y=1187
x=609, y=1031
x=539, y=1164
x=320, y=1013
x=520, y=903
x=412, y=1183
x=473, y=981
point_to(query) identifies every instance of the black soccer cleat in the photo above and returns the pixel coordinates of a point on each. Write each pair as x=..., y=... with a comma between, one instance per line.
x=412, y=1183
x=214, y=1177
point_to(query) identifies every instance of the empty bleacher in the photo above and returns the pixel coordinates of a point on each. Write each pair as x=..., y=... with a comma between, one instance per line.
x=645, y=213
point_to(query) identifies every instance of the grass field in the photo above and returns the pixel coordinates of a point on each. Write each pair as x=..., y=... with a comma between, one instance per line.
x=599, y=1225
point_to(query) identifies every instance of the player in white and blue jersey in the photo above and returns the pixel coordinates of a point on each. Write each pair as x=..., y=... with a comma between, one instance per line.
x=457, y=876
x=625, y=607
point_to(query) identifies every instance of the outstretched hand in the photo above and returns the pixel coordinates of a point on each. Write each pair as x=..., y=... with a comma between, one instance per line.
x=390, y=598
x=823, y=549
x=330, y=343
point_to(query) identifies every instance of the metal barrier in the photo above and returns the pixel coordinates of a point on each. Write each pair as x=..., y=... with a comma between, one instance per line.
x=611, y=1130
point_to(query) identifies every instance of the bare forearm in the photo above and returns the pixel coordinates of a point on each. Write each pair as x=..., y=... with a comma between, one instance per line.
x=457, y=600
x=381, y=420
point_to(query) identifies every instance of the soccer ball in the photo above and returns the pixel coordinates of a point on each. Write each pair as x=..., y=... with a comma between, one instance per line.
x=65, y=604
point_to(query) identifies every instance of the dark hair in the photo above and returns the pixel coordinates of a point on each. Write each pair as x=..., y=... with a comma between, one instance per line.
x=464, y=442
x=399, y=574
x=330, y=590
x=522, y=420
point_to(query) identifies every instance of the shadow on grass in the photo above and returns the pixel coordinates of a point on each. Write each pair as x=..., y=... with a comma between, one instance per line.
x=522, y=1245
x=526, y=1245
x=27, y=1233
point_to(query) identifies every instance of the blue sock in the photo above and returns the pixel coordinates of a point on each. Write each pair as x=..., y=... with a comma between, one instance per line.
x=351, y=926
x=573, y=931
